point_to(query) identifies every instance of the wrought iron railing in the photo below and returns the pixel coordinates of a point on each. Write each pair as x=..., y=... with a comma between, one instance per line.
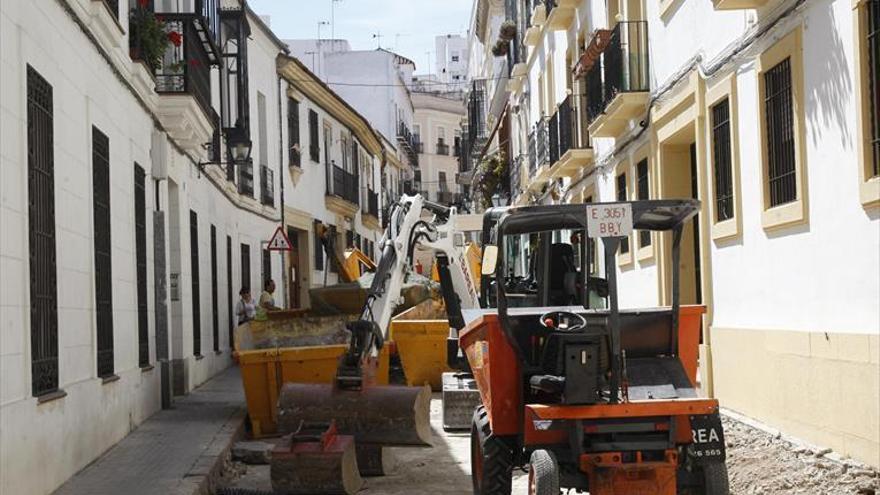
x=372, y=203
x=571, y=131
x=185, y=68
x=477, y=112
x=342, y=184
x=516, y=174
x=246, y=178
x=624, y=67
x=267, y=185
x=442, y=148
x=408, y=142
x=539, y=149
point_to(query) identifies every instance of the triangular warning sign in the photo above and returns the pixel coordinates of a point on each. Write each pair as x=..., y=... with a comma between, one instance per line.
x=279, y=241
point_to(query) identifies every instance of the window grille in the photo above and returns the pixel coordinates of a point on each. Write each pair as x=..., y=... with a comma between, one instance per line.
x=41, y=235
x=140, y=236
x=779, y=119
x=246, y=269
x=621, y=196
x=873, y=11
x=643, y=190
x=196, y=292
x=229, y=300
x=293, y=132
x=319, y=248
x=215, y=303
x=103, y=248
x=721, y=152
x=314, y=146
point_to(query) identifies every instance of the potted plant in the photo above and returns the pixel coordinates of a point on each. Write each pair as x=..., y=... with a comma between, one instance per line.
x=147, y=37
x=490, y=177
x=500, y=48
x=507, y=31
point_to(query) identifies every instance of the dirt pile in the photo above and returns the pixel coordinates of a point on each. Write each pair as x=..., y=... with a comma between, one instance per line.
x=761, y=463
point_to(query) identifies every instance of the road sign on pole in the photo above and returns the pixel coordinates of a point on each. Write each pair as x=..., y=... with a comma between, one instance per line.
x=279, y=241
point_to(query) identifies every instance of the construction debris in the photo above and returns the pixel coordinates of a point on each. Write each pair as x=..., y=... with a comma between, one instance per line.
x=252, y=452
x=763, y=463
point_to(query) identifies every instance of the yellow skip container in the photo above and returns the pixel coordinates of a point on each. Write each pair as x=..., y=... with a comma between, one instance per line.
x=419, y=334
x=267, y=361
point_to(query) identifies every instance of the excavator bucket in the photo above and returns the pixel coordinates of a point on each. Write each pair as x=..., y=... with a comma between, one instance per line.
x=315, y=459
x=378, y=415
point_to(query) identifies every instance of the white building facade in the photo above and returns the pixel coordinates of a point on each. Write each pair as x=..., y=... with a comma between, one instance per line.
x=438, y=125
x=743, y=105
x=138, y=197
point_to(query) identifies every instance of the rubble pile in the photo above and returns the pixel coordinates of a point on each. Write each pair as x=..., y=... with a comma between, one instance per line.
x=762, y=463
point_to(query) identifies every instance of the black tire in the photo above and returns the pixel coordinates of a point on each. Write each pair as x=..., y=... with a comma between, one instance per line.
x=715, y=479
x=710, y=479
x=491, y=458
x=543, y=473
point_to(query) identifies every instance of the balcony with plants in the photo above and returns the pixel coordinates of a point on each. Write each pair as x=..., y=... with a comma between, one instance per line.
x=618, y=81
x=570, y=146
x=178, y=49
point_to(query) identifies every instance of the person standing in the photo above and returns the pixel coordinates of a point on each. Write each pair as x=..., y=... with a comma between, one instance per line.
x=245, y=309
x=267, y=298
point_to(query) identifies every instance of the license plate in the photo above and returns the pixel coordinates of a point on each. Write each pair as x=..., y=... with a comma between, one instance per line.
x=708, y=439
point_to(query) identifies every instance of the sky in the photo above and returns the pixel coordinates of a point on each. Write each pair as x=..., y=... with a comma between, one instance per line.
x=407, y=27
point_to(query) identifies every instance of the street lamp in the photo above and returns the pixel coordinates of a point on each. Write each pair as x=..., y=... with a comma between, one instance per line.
x=498, y=200
x=238, y=149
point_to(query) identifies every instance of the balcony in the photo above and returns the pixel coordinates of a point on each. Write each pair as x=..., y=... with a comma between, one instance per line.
x=342, y=190
x=571, y=149
x=183, y=77
x=267, y=186
x=539, y=154
x=618, y=83
x=560, y=13
x=737, y=4
x=477, y=115
x=370, y=211
x=442, y=148
x=408, y=142
x=246, y=179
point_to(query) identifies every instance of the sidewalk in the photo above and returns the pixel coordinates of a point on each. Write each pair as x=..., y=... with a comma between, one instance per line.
x=175, y=451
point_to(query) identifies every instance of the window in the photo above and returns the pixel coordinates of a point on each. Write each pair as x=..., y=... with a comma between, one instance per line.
x=328, y=142
x=722, y=161
x=246, y=268
x=140, y=241
x=621, y=196
x=335, y=236
x=591, y=248
x=643, y=190
x=266, y=267
x=779, y=121
x=41, y=235
x=782, y=132
x=196, y=294
x=873, y=43
x=261, y=122
x=441, y=181
x=229, y=292
x=319, y=247
x=103, y=248
x=345, y=151
x=215, y=303
x=293, y=132
x=314, y=140
x=867, y=62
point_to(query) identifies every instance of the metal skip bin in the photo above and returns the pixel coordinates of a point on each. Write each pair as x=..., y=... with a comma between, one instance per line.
x=268, y=358
x=420, y=337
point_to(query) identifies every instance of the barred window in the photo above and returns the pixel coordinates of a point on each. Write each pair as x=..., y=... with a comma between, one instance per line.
x=267, y=266
x=319, y=248
x=314, y=139
x=293, y=132
x=779, y=119
x=246, y=267
x=644, y=194
x=622, y=196
x=196, y=292
x=873, y=35
x=215, y=303
x=140, y=237
x=229, y=300
x=103, y=248
x=41, y=235
x=722, y=162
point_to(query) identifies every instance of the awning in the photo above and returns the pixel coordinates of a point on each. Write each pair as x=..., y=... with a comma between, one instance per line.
x=597, y=45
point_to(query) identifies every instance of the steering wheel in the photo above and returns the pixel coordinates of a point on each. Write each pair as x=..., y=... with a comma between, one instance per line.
x=563, y=321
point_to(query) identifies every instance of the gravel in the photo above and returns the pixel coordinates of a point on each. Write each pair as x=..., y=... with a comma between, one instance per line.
x=762, y=463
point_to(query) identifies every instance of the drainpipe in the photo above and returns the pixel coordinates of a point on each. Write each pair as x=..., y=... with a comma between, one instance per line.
x=284, y=281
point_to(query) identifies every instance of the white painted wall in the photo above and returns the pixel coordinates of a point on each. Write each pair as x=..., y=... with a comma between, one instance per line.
x=43, y=444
